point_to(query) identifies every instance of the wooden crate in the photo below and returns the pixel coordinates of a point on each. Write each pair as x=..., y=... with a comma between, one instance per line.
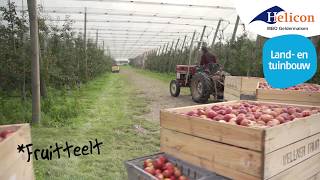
x=288, y=96
x=14, y=165
x=242, y=153
x=240, y=88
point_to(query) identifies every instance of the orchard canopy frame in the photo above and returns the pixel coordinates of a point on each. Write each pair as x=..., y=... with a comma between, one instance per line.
x=127, y=29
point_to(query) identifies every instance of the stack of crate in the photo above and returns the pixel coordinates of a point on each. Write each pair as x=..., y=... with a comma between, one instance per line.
x=240, y=87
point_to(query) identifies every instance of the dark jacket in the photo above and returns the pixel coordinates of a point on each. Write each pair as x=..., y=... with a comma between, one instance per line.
x=208, y=58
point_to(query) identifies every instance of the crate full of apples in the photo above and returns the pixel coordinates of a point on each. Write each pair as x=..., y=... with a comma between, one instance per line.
x=245, y=139
x=14, y=165
x=162, y=166
x=308, y=94
x=252, y=114
x=300, y=87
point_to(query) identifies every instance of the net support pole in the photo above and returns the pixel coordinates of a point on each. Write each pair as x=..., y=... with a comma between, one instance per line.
x=190, y=56
x=235, y=30
x=216, y=33
x=85, y=43
x=35, y=64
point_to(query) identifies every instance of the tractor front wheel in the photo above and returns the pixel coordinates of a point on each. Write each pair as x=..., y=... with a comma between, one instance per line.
x=174, y=88
x=200, y=88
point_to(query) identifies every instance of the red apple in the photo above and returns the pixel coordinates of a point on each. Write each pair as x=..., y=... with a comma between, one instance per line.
x=250, y=117
x=233, y=121
x=201, y=112
x=228, y=110
x=158, y=171
x=306, y=113
x=257, y=115
x=5, y=133
x=281, y=119
x=222, y=112
x=291, y=117
x=254, y=109
x=274, y=114
x=203, y=117
x=150, y=170
x=168, y=173
x=273, y=122
x=163, y=158
x=177, y=172
x=236, y=106
x=298, y=110
x=147, y=162
x=169, y=165
x=286, y=116
x=245, y=122
x=266, y=117
x=160, y=176
x=243, y=110
x=157, y=164
x=261, y=123
x=173, y=178
x=227, y=117
x=266, y=111
x=215, y=108
x=240, y=117
x=297, y=115
x=291, y=110
x=191, y=113
x=218, y=117
x=183, y=178
x=211, y=114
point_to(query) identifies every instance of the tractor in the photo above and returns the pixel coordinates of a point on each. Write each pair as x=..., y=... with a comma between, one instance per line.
x=202, y=82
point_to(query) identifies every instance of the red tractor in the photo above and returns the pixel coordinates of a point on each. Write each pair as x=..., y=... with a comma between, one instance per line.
x=203, y=82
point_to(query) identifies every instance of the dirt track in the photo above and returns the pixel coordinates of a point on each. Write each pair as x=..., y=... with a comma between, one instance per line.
x=157, y=93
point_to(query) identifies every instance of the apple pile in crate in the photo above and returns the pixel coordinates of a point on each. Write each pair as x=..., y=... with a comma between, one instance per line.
x=162, y=169
x=301, y=87
x=5, y=133
x=252, y=114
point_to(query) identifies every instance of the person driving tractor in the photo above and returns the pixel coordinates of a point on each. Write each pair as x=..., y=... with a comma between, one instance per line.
x=207, y=57
x=208, y=60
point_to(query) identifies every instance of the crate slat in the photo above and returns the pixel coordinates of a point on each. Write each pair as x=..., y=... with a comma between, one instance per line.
x=291, y=155
x=232, y=157
x=204, y=163
x=309, y=170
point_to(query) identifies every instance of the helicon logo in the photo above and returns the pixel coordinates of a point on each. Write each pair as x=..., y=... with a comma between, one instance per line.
x=273, y=15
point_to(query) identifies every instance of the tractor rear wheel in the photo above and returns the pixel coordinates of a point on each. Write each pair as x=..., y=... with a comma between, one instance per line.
x=174, y=88
x=200, y=88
